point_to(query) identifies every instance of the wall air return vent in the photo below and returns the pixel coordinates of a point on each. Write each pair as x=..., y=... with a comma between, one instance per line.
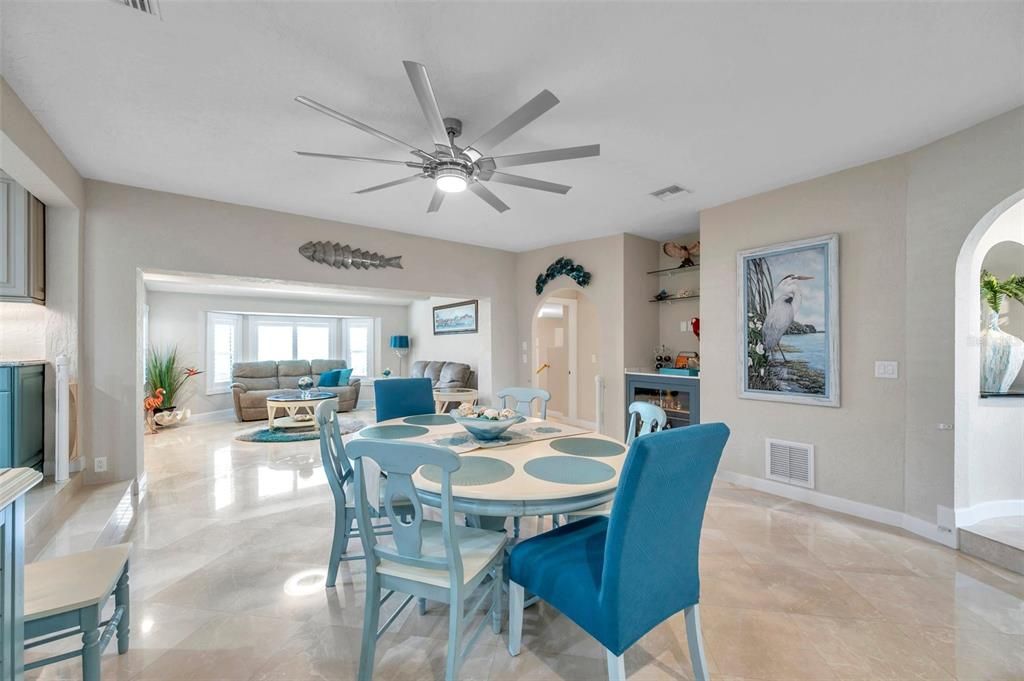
x=147, y=6
x=789, y=462
x=673, y=191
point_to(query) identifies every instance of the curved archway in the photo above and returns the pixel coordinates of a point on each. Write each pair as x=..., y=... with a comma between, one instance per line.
x=564, y=336
x=989, y=436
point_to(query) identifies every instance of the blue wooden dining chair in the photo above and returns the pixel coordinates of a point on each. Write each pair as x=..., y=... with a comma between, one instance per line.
x=440, y=561
x=644, y=418
x=397, y=397
x=619, y=577
x=339, y=472
x=523, y=398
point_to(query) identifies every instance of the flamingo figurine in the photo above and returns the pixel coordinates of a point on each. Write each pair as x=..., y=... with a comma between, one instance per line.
x=151, y=403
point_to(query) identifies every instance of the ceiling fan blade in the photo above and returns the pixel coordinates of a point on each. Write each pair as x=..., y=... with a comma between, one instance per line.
x=337, y=115
x=546, y=156
x=516, y=121
x=520, y=181
x=360, y=158
x=488, y=196
x=425, y=94
x=393, y=183
x=435, y=201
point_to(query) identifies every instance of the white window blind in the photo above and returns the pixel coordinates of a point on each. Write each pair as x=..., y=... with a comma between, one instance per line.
x=358, y=343
x=223, y=349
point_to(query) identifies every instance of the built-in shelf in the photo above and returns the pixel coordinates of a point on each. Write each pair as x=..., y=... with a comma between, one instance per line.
x=1010, y=394
x=669, y=271
x=673, y=298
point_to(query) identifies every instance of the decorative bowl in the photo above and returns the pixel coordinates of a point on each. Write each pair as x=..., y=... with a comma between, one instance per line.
x=485, y=429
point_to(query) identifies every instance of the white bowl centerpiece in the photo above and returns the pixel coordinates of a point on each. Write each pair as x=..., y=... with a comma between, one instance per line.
x=485, y=423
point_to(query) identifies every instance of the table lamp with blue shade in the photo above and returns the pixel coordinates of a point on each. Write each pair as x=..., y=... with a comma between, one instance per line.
x=400, y=344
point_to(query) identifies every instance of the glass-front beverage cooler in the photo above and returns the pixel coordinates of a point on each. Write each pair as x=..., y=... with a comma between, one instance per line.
x=679, y=396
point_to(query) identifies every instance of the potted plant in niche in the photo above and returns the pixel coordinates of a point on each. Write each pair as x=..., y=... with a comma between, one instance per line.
x=164, y=372
x=1002, y=354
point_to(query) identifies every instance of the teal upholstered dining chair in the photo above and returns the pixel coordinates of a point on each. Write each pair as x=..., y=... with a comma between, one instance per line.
x=339, y=473
x=619, y=577
x=644, y=418
x=397, y=397
x=440, y=561
x=523, y=398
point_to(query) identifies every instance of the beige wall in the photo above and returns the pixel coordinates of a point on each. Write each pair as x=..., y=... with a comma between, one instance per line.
x=902, y=222
x=473, y=349
x=859, y=447
x=179, y=319
x=129, y=229
x=639, y=315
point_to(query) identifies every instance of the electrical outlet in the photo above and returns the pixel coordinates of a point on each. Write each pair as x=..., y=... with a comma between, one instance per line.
x=99, y=464
x=887, y=369
x=593, y=359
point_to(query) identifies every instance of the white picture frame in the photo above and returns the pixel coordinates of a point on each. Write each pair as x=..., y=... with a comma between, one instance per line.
x=803, y=290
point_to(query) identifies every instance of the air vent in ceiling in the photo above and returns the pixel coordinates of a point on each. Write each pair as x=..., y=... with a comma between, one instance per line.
x=147, y=6
x=789, y=462
x=673, y=191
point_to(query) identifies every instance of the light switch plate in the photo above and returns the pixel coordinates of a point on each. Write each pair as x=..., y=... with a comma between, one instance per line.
x=887, y=369
x=99, y=464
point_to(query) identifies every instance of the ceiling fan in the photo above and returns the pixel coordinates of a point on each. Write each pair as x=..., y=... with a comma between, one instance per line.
x=454, y=168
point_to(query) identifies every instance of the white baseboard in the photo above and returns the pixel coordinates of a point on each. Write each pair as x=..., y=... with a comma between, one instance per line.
x=207, y=416
x=990, y=509
x=858, y=509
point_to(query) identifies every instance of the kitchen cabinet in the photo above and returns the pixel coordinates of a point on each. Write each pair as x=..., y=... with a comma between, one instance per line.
x=21, y=414
x=22, y=244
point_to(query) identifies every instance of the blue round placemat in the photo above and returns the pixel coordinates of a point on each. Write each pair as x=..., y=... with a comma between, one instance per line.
x=429, y=420
x=476, y=470
x=392, y=432
x=569, y=470
x=587, y=446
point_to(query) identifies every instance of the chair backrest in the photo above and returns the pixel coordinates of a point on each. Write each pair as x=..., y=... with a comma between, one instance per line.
x=644, y=418
x=523, y=399
x=398, y=461
x=396, y=397
x=337, y=466
x=651, y=551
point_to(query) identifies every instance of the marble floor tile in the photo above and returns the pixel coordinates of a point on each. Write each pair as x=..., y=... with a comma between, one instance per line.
x=229, y=558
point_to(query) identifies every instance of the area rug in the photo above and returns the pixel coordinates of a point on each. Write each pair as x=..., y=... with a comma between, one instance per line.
x=293, y=435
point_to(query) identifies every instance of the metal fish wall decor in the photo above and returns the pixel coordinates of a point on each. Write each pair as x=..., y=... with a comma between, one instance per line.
x=334, y=254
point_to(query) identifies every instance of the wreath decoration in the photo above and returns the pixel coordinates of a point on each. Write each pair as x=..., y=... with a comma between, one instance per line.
x=559, y=267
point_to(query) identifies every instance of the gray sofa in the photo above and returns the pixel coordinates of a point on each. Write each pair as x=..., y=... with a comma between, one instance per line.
x=252, y=382
x=444, y=374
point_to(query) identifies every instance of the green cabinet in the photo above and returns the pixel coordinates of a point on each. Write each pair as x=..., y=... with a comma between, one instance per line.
x=21, y=416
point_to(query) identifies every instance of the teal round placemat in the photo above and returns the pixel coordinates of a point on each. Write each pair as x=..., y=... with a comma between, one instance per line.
x=587, y=446
x=429, y=420
x=569, y=470
x=476, y=470
x=392, y=432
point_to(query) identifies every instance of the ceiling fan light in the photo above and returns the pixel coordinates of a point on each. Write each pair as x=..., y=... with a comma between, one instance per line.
x=451, y=180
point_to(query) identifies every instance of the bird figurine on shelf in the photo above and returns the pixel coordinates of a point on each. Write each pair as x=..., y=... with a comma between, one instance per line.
x=674, y=249
x=150, y=405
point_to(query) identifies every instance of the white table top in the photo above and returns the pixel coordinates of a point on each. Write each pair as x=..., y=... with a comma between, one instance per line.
x=521, y=485
x=16, y=481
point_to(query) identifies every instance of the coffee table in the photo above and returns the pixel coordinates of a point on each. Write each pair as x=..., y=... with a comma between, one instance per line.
x=298, y=405
x=445, y=396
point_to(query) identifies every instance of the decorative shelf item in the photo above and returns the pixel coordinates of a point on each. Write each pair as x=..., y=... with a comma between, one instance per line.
x=332, y=253
x=670, y=299
x=669, y=271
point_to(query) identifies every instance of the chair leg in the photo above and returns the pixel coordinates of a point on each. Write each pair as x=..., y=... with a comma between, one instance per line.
x=516, y=595
x=616, y=666
x=696, y=643
x=496, y=596
x=343, y=522
x=371, y=620
x=122, y=598
x=91, y=644
x=516, y=521
x=555, y=521
x=455, y=615
x=423, y=606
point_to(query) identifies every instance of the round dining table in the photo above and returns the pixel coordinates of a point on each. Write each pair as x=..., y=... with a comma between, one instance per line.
x=554, y=475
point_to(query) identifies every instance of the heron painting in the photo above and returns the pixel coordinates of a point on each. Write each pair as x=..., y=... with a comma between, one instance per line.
x=788, y=323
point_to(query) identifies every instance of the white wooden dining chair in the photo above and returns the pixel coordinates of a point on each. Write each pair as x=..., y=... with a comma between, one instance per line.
x=523, y=399
x=439, y=561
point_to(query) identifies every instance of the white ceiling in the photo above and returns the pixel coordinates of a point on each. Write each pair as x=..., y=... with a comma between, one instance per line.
x=728, y=99
x=248, y=287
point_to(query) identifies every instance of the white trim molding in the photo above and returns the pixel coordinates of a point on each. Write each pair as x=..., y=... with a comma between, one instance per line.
x=1000, y=508
x=886, y=516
